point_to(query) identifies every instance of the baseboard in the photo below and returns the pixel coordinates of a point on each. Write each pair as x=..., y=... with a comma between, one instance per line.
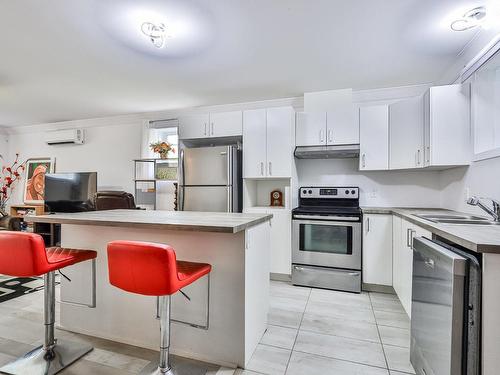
x=281, y=277
x=378, y=288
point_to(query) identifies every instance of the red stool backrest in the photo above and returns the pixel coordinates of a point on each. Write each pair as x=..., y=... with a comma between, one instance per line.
x=22, y=254
x=143, y=267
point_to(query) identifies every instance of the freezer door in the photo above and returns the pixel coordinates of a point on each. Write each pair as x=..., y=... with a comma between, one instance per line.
x=437, y=309
x=206, y=198
x=206, y=166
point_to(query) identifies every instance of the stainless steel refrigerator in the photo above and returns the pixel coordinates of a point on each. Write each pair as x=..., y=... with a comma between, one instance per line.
x=210, y=179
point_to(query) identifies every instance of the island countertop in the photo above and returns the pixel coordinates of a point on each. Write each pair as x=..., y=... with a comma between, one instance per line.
x=221, y=222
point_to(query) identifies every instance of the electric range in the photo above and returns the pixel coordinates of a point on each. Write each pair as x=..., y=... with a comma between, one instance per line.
x=326, y=238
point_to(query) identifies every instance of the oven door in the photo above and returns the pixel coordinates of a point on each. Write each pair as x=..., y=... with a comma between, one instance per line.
x=327, y=243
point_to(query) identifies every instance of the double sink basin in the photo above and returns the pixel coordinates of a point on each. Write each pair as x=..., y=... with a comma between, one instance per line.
x=457, y=219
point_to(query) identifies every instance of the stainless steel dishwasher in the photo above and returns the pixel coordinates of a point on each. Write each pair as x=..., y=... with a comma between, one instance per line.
x=445, y=320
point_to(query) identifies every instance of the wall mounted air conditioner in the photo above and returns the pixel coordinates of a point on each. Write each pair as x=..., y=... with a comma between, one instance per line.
x=61, y=137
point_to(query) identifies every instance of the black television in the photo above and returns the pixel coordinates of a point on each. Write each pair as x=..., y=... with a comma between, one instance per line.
x=70, y=192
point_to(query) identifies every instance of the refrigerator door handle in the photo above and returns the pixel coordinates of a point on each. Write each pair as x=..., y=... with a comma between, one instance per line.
x=181, y=198
x=229, y=162
x=181, y=167
x=229, y=199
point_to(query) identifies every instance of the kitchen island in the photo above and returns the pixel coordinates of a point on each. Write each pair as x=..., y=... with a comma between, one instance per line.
x=236, y=245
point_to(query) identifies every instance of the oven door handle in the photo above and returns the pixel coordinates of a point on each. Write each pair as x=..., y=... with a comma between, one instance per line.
x=326, y=218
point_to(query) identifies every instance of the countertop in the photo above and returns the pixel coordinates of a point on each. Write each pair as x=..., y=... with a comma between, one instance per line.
x=477, y=238
x=170, y=220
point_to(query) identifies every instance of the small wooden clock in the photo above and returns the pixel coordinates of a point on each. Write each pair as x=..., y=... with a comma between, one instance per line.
x=276, y=198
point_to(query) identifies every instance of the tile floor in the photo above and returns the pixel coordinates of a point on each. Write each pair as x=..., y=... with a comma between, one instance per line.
x=310, y=331
x=21, y=329
x=332, y=333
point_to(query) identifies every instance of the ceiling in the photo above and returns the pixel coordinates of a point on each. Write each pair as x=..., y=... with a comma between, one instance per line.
x=63, y=60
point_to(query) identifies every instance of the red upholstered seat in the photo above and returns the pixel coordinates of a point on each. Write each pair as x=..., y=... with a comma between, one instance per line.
x=150, y=269
x=24, y=254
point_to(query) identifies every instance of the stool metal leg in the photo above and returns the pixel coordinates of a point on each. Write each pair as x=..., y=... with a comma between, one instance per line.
x=163, y=368
x=53, y=355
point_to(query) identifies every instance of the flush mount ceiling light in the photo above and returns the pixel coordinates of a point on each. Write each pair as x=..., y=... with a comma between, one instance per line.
x=471, y=19
x=157, y=33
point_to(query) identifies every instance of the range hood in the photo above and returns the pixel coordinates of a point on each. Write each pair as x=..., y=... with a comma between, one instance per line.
x=327, y=152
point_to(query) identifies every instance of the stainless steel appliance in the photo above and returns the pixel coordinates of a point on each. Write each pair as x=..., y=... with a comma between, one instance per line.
x=210, y=179
x=326, y=238
x=327, y=152
x=446, y=316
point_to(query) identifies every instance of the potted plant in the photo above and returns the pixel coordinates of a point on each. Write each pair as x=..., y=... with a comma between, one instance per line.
x=10, y=175
x=162, y=148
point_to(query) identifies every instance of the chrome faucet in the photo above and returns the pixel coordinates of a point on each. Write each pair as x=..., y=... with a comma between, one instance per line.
x=495, y=212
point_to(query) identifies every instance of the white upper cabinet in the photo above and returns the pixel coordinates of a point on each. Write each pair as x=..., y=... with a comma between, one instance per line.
x=374, y=137
x=280, y=141
x=329, y=119
x=342, y=129
x=406, y=124
x=219, y=124
x=194, y=126
x=311, y=129
x=226, y=124
x=447, y=130
x=268, y=140
x=254, y=143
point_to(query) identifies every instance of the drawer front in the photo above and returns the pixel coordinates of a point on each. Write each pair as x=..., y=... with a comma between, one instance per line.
x=328, y=278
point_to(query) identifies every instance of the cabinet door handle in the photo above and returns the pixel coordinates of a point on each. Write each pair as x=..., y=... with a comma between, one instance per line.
x=408, y=230
x=262, y=168
x=270, y=169
x=321, y=136
x=205, y=132
x=428, y=154
x=330, y=135
x=418, y=156
x=212, y=129
x=367, y=224
x=363, y=160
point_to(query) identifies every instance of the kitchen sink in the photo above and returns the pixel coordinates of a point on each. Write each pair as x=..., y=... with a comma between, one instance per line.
x=438, y=217
x=476, y=222
x=457, y=219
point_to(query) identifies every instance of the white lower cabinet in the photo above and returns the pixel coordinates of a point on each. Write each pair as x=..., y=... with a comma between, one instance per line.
x=281, y=244
x=281, y=239
x=403, y=234
x=377, y=249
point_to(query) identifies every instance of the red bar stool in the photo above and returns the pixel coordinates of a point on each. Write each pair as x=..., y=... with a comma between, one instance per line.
x=24, y=255
x=152, y=269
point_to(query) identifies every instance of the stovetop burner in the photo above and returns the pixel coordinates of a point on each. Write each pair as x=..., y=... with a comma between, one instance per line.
x=335, y=201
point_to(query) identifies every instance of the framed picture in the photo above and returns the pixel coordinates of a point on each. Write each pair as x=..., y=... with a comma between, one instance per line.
x=34, y=185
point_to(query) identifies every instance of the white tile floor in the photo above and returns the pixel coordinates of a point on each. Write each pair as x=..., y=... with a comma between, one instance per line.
x=310, y=331
x=332, y=333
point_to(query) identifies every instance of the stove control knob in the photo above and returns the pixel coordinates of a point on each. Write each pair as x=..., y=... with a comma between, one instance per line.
x=310, y=191
x=347, y=191
x=353, y=191
x=304, y=191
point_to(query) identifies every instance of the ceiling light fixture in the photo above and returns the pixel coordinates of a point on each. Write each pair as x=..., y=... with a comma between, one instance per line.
x=157, y=33
x=471, y=19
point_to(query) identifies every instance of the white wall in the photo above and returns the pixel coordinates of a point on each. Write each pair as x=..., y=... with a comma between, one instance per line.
x=377, y=188
x=108, y=150
x=481, y=179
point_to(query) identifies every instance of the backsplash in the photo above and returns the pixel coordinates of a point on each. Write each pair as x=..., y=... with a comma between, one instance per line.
x=384, y=188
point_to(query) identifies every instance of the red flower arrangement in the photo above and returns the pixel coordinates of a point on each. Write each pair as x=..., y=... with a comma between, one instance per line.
x=162, y=148
x=8, y=178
